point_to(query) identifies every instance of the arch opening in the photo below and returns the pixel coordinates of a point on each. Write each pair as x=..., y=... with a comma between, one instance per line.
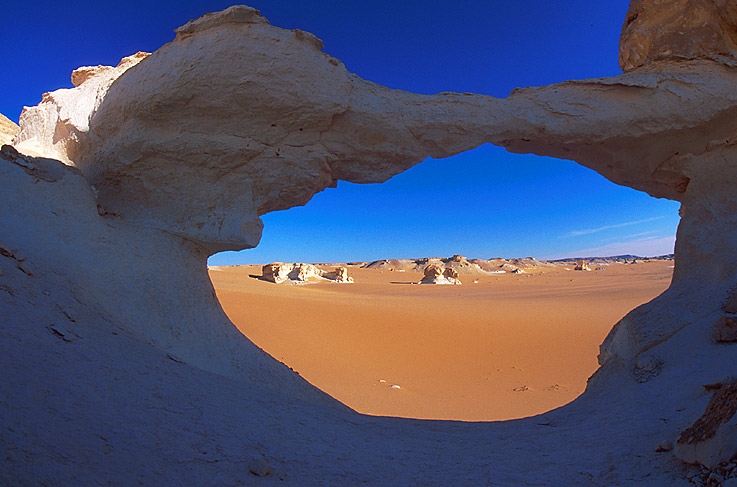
x=500, y=346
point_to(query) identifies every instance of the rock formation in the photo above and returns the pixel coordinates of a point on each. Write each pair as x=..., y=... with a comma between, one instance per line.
x=680, y=29
x=437, y=274
x=118, y=362
x=340, y=275
x=278, y=273
x=58, y=127
x=582, y=265
x=459, y=263
x=712, y=439
x=7, y=129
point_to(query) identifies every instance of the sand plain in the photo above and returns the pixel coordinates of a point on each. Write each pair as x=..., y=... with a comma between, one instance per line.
x=508, y=346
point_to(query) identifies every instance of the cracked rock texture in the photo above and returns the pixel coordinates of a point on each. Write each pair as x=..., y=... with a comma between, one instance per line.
x=124, y=360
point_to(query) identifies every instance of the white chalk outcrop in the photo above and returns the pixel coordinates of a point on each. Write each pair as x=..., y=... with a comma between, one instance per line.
x=8, y=129
x=279, y=273
x=118, y=363
x=339, y=275
x=437, y=274
x=712, y=439
x=457, y=262
x=58, y=127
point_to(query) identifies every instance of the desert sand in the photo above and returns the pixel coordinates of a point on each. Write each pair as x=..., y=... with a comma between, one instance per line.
x=508, y=346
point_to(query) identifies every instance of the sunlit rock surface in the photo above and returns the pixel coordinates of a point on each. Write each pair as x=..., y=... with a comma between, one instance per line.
x=58, y=127
x=437, y=274
x=279, y=273
x=118, y=363
x=8, y=129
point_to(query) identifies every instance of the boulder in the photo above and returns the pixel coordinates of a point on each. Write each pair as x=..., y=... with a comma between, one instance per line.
x=582, y=265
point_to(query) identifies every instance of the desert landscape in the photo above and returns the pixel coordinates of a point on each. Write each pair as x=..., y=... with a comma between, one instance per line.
x=120, y=366
x=502, y=345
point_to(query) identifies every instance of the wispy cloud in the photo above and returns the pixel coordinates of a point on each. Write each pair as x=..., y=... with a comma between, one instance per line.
x=578, y=233
x=645, y=247
x=635, y=235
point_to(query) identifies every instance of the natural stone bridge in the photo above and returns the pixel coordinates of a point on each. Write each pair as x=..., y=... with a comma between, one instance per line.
x=119, y=363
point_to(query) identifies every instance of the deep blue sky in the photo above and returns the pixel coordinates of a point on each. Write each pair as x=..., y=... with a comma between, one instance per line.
x=483, y=203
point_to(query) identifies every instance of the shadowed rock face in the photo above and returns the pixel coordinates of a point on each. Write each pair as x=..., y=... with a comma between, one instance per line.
x=185, y=148
x=685, y=29
x=236, y=118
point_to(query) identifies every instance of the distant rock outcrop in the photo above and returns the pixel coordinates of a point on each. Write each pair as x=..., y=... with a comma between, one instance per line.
x=460, y=263
x=340, y=275
x=278, y=273
x=582, y=265
x=437, y=274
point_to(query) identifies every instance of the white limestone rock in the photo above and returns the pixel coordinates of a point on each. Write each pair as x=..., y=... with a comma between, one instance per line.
x=58, y=126
x=339, y=275
x=143, y=280
x=278, y=272
x=712, y=439
x=8, y=129
x=437, y=274
x=235, y=118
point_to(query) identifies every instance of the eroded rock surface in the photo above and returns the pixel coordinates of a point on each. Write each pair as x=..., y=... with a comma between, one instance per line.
x=107, y=289
x=278, y=273
x=223, y=106
x=680, y=29
x=712, y=439
x=8, y=129
x=58, y=127
x=437, y=274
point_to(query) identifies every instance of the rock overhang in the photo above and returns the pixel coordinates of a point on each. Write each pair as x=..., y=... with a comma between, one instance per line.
x=181, y=162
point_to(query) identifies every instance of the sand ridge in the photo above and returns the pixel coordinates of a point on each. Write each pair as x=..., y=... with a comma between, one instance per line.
x=507, y=346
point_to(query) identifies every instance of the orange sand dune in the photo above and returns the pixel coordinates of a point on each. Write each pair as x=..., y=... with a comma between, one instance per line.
x=506, y=347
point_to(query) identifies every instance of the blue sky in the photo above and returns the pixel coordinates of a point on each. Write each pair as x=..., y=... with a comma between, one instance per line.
x=482, y=203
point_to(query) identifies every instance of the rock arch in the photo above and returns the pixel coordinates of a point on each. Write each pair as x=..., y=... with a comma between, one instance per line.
x=175, y=155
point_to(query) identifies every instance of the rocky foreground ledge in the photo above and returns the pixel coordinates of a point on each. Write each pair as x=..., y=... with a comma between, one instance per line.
x=120, y=367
